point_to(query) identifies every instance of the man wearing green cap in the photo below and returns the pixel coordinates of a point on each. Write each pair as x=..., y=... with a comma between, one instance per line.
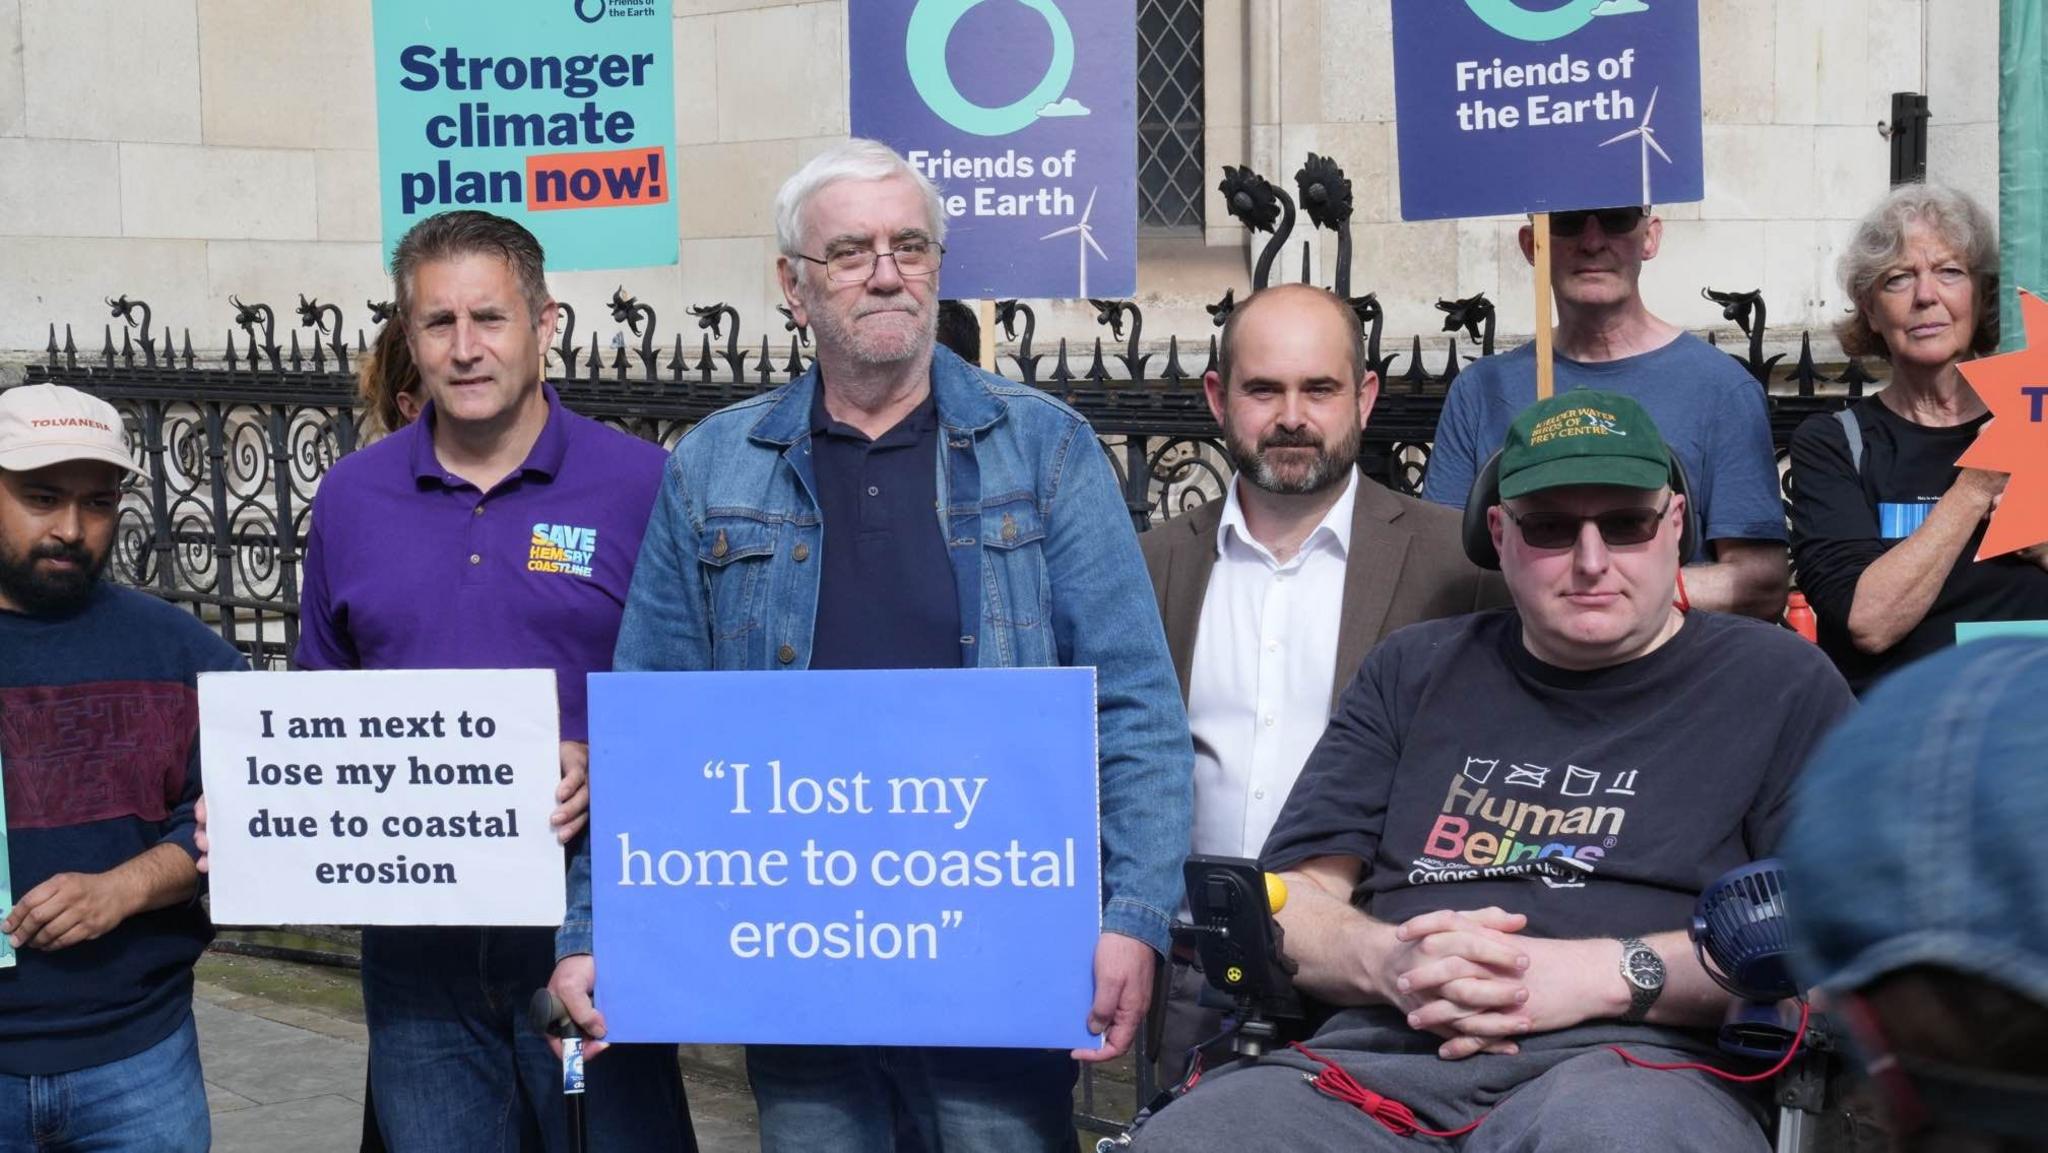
x=1494, y=849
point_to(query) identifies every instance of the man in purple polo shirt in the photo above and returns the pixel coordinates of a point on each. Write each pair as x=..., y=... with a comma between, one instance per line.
x=499, y=530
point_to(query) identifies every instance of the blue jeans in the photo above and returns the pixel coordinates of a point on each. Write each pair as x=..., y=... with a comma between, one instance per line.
x=455, y=1067
x=847, y=1099
x=153, y=1102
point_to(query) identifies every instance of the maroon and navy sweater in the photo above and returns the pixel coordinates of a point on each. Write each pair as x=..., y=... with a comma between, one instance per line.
x=99, y=748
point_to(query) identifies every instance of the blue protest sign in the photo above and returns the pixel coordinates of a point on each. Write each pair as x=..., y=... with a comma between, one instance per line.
x=557, y=113
x=846, y=858
x=1025, y=116
x=1510, y=106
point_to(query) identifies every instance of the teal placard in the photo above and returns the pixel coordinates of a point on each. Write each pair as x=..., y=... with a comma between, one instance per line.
x=1967, y=631
x=557, y=113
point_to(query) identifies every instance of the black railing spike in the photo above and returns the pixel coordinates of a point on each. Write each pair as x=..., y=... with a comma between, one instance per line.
x=1306, y=278
x=595, y=364
x=704, y=363
x=107, y=349
x=1856, y=376
x=675, y=361
x=1175, y=374
x=70, y=351
x=1097, y=372
x=340, y=352
x=1806, y=373
x=1713, y=340
x=1213, y=362
x=1451, y=364
x=795, y=367
x=362, y=344
x=298, y=358
x=1416, y=376
x=52, y=350
x=189, y=361
x=231, y=356
x=1061, y=374
x=255, y=355
x=618, y=362
x=319, y=355
x=766, y=363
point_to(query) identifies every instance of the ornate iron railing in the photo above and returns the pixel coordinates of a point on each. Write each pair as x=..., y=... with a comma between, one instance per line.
x=235, y=447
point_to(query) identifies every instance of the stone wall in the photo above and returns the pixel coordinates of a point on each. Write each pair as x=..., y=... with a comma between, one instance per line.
x=183, y=150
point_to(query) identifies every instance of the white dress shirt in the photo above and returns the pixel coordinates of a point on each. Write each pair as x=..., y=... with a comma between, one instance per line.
x=1264, y=667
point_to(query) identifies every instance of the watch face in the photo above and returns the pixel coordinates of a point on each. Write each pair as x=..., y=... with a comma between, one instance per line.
x=1644, y=968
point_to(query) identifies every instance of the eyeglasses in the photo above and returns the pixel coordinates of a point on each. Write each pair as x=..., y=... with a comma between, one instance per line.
x=1559, y=530
x=1613, y=221
x=915, y=259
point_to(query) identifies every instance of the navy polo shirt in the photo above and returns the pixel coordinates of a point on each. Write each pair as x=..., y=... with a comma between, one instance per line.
x=886, y=598
x=409, y=566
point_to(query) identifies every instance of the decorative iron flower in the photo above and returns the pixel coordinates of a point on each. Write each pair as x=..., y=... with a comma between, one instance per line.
x=1325, y=191
x=1250, y=197
x=1736, y=306
x=1219, y=312
x=628, y=311
x=381, y=310
x=1367, y=308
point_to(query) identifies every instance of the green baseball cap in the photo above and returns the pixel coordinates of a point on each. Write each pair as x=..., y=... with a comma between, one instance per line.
x=1583, y=437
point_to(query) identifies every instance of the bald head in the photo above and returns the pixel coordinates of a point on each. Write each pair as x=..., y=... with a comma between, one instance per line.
x=1294, y=313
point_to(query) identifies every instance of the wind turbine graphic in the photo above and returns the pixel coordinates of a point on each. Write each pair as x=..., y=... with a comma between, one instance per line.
x=1087, y=241
x=1648, y=135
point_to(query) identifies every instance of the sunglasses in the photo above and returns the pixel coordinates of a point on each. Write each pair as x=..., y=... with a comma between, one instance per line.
x=1560, y=530
x=1613, y=221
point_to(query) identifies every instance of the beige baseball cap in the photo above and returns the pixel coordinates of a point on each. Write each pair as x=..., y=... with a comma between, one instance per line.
x=46, y=424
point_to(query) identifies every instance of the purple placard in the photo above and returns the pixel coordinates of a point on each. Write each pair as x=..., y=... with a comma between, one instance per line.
x=1025, y=115
x=1510, y=106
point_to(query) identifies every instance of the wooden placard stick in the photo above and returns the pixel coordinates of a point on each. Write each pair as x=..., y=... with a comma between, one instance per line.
x=1546, y=370
x=988, y=334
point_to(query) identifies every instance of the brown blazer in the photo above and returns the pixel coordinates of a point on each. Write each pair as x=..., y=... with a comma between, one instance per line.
x=1407, y=565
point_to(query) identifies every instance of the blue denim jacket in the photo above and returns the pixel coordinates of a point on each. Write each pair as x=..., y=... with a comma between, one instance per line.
x=1044, y=560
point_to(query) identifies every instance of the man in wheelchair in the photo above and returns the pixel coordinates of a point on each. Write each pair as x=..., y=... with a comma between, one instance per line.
x=1493, y=851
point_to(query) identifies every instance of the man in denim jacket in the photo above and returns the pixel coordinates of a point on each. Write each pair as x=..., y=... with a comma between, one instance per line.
x=797, y=530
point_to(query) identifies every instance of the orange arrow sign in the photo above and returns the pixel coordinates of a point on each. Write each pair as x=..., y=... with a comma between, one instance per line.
x=2014, y=386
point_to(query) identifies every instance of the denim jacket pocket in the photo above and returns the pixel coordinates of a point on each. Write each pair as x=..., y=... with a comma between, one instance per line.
x=1014, y=582
x=735, y=553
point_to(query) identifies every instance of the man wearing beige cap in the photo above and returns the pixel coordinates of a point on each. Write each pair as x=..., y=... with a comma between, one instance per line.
x=99, y=752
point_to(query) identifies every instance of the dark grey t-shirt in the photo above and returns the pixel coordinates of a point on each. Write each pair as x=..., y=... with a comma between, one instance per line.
x=1464, y=772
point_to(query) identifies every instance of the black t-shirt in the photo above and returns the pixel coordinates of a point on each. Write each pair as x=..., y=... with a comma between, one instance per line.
x=1844, y=518
x=1464, y=772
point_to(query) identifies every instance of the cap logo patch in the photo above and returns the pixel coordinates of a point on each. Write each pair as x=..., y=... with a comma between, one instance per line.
x=1575, y=422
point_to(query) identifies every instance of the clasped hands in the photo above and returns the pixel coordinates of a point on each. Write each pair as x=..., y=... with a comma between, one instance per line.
x=1469, y=977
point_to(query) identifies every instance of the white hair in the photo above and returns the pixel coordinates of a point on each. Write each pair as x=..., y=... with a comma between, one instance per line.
x=855, y=159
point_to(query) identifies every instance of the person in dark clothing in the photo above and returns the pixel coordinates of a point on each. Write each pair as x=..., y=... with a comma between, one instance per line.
x=1885, y=527
x=99, y=750
x=1492, y=853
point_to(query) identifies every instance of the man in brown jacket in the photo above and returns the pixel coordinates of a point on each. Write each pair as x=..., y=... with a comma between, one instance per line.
x=1273, y=595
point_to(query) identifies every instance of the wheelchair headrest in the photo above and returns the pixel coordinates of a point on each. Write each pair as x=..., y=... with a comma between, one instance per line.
x=1486, y=493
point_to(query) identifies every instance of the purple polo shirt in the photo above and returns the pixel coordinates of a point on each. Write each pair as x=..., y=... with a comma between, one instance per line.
x=411, y=567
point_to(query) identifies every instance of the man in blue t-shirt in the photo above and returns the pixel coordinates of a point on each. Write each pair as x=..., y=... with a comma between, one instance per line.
x=1710, y=410
x=99, y=750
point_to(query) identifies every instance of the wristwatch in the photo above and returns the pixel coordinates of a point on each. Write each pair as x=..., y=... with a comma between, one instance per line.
x=1643, y=969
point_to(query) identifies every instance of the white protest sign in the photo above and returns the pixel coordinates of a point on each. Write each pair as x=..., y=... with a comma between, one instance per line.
x=382, y=798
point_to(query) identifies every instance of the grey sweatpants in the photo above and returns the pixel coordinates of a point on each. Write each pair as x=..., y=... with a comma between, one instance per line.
x=1563, y=1092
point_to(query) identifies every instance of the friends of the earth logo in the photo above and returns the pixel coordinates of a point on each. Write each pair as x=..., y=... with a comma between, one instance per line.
x=562, y=548
x=1509, y=18
x=1576, y=422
